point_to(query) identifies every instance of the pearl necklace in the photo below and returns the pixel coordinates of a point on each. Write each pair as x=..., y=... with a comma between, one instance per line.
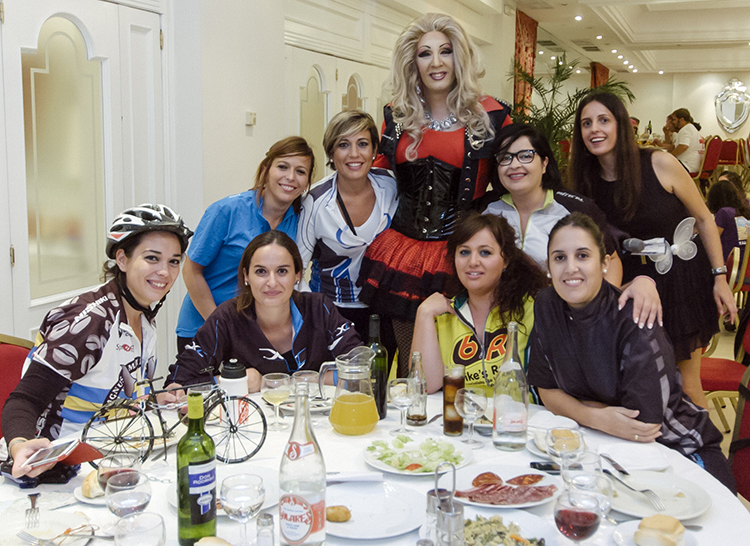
x=443, y=125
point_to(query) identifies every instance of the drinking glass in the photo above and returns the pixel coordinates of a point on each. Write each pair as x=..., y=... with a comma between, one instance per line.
x=402, y=393
x=595, y=484
x=562, y=441
x=144, y=529
x=127, y=493
x=275, y=389
x=471, y=404
x=313, y=391
x=577, y=515
x=578, y=462
x=114, y=464
x=242, y=496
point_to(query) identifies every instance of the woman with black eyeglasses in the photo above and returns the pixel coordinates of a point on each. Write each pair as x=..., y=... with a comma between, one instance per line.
x=528, y=192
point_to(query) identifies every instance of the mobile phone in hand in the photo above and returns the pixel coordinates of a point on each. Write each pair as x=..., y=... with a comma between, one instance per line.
x=52, y=454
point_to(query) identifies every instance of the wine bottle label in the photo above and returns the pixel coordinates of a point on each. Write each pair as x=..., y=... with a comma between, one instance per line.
x=296, y=450
x=298, y=519
x=202, y=491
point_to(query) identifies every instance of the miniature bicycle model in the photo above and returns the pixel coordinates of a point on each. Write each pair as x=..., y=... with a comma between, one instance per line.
x=236, y=424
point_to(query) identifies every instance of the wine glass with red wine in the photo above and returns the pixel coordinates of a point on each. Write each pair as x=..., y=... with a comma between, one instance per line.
x=577, y=515
x=115, y=464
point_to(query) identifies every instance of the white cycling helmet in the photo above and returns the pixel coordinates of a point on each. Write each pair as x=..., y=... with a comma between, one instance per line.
x=146, y=217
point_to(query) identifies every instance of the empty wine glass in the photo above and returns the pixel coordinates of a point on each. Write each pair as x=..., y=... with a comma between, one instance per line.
x=242, y=496
x=595, y=484
x=579, y=462
x=471, y=404
x=275, y=389
x=577, y=515
x=114, y=464
x=402, y=393
x=562, y=441
x=145, y=529
x=127, y=493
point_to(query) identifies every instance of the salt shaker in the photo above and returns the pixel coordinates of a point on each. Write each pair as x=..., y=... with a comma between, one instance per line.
x=434, y=496
x=264, y=526
x=450, y=514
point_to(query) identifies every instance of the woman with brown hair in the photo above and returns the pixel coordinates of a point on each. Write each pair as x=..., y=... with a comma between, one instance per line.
x=499, y=284
x=231, y=223
x=437, y=138
x=646, y=194
x=268, y=327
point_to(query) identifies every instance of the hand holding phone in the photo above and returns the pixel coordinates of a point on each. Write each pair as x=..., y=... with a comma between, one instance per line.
x=52, y=454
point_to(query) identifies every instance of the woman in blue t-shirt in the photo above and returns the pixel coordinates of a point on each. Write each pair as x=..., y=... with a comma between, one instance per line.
x=227, y=226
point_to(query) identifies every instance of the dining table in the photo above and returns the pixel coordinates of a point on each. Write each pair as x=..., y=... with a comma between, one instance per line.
x=725, y=521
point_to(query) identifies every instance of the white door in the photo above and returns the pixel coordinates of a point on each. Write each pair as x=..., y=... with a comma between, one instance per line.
x=83, y=139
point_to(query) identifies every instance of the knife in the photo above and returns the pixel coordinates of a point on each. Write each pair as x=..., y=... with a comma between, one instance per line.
x=615, y=464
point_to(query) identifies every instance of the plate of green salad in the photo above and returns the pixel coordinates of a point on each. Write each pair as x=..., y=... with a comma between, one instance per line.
x=406, y=456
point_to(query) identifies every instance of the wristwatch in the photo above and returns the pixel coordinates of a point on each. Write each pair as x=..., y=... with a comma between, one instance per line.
x=719, y=271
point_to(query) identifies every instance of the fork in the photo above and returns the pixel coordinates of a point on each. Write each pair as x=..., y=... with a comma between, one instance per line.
x=23, y=535
x=32, y=514
x=650, y=495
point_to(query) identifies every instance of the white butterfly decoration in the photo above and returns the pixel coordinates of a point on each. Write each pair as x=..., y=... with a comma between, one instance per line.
x=683, y=246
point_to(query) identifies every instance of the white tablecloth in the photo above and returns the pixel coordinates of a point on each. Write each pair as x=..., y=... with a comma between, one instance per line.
x=726, y=522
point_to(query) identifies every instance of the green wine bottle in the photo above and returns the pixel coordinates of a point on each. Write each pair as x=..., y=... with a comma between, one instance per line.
x=196, y=478
x=379, y=370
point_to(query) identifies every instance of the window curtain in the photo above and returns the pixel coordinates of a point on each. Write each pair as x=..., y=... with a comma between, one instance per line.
x=599, y=74
x=525, y=56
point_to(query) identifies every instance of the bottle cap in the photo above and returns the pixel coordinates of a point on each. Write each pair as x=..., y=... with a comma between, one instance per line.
x=195, y=405
x=233, y=370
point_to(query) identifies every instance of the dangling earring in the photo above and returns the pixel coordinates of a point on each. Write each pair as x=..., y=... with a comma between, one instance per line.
x=419, y=94
x=548, y=275
x=604, y=271
x=245, y=283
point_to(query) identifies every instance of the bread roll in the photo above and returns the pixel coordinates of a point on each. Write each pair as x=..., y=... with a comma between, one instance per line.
x=660, y=530
x=338, y=513
x=216, y=541
x=90, y=486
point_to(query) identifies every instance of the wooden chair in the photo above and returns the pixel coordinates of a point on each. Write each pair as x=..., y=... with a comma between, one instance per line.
x=13, y=353
x=739, y=449
x=708, y=164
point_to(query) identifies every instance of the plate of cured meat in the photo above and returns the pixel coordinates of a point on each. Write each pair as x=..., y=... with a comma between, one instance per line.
x=496, y=485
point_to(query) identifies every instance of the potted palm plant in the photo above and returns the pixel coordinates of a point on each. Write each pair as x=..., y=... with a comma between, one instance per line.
x=554, y=112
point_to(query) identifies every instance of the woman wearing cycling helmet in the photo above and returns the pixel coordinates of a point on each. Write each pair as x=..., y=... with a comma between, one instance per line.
x=94, y=347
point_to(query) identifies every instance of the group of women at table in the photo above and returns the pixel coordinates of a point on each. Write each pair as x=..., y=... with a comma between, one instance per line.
x=405, y=227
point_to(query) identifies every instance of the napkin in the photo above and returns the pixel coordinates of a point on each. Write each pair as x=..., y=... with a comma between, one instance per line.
x=340, y=477
x=546, y=420
x=635, y=456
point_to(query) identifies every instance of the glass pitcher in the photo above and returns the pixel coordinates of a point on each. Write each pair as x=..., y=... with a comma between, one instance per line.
x=353, y=411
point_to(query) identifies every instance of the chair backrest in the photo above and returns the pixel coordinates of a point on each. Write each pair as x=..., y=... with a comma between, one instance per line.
x=739, y=449
x=13, y=353
x=729, y=153
x=745, y=143
x=733, y=270
x=711, y=157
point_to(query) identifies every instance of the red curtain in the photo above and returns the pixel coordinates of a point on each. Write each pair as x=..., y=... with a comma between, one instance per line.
x=599, y=74
x=525, y=55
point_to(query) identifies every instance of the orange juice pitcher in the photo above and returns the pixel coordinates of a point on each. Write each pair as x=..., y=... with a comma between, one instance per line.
x=353, y=411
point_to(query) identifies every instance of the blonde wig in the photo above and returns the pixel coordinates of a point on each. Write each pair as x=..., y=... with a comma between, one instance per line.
x=463, y=100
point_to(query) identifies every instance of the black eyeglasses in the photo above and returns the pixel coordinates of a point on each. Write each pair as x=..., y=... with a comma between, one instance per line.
x=523, y=156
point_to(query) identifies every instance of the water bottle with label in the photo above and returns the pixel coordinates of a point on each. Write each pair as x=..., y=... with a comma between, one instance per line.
x=511, y=398
x=302, y=481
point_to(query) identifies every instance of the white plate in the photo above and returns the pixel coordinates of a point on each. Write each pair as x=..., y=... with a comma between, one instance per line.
x=368, y=502
x=683, y=499
x=270, y=482
x=80, y=497
x=531, y=526
x=465, y=476
x=51, y=524
x=534, y=450
x=316, y=406
x=623, y=535
x=372, y=460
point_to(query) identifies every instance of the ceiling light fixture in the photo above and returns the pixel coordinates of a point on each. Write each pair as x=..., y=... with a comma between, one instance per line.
x=619, y=56
x=541, y=52
x=625, y=62
x=635, y=70
x=578, y=71
x=553, y=57
x=661, y=72
x=631, y=66
x=599, y=37
x=614, y=51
